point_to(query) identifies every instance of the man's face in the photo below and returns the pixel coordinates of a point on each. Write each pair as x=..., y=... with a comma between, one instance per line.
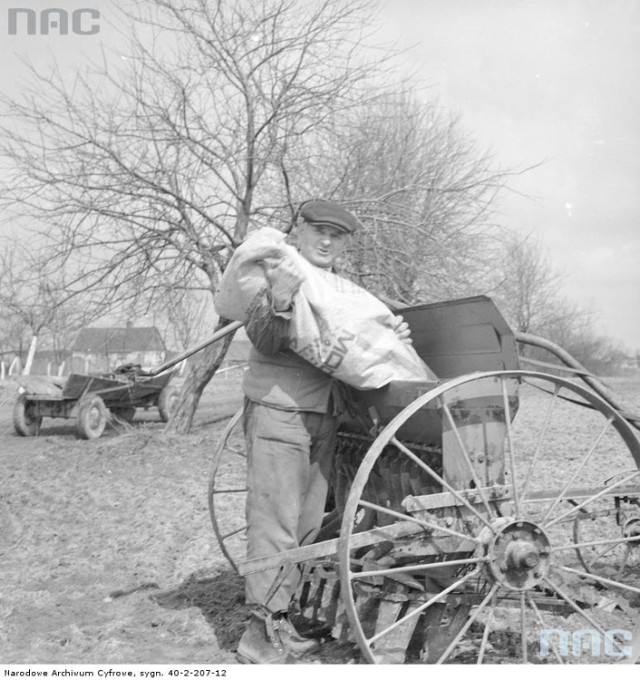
x=321, y=245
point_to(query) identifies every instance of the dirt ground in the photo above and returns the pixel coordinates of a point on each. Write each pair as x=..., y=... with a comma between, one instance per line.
x=107, y=553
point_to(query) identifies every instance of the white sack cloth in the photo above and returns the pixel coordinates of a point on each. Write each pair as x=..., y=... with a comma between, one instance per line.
x=336, y=325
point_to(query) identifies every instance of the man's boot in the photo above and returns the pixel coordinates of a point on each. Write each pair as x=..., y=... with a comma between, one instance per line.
x=261, y=644
x=296, y=644
x=272, y=639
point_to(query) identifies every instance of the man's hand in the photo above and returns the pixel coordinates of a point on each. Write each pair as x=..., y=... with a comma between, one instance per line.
x=285, y=278
x=402, y=330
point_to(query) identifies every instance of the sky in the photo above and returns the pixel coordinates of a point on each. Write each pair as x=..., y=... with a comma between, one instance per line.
x=555, y=83
x=546, y=83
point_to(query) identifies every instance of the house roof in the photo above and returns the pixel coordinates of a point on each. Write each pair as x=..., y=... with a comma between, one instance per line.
x=109, y=340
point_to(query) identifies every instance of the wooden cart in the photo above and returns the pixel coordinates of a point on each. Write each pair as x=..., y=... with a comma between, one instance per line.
x=92, y=400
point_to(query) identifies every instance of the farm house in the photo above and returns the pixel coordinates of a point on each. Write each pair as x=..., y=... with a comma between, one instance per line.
x=104, y=349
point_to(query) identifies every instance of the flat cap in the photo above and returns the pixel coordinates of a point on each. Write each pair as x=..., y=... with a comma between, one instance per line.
x=321, y=212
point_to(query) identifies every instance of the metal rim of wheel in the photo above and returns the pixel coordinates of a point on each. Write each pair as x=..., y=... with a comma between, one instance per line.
x=167, y=401
x=227, y=492
x=513, y=568
x=92, y=417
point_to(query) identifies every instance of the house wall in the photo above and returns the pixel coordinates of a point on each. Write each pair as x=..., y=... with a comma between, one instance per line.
x=87, y=363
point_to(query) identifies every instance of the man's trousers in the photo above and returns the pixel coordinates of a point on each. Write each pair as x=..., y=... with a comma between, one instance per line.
x=289, y=463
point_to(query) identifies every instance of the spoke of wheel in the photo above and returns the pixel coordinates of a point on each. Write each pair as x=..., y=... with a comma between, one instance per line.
x=523, y=628
x=541, y=438
x=465, y=454
x=470, y=621
x=604, y=552
x=576, y=607
x=582, y=504
x=456, y=493
x=569, y=482
x=231, y=534
x=512, y=454
x=420, y=608
x=610, y=543
x=543, y=627
x=419, y=567
x=417, y=521
x=485, y=633
x=598, y=578
x=623, y=562
x=231, y=490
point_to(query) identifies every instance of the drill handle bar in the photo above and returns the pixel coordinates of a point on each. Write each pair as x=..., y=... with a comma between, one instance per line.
x=220, y=333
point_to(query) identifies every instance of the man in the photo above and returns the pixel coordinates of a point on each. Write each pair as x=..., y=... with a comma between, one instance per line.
x=290, y=422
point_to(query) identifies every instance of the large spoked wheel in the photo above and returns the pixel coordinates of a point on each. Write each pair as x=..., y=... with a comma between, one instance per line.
x=228, y=492
x=481, y=562
x=26, y=420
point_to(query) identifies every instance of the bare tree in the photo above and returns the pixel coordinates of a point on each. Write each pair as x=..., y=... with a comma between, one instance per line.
x=220, y=119
x=530, y=290
x=572, y=329
x=530, y=296
x=36, y=302
x=153, y=171
x=13, y=335
x=426, y=194
x=187, y=317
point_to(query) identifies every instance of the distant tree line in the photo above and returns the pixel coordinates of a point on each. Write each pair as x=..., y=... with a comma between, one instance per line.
x=530, y=297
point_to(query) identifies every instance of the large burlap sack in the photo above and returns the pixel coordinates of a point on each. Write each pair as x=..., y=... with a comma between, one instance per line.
x=336, y=325
x=245, y=275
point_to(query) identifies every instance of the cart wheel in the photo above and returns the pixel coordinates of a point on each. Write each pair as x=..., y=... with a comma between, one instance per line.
x=482, y=563
x=92, y=417
x=125, y=413
x=168, y=400
x=605, y=519
x=25, y=420
x=228, y=492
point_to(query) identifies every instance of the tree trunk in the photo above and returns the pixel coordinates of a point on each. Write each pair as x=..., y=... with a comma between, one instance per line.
x=199, y=375
x=32, y=352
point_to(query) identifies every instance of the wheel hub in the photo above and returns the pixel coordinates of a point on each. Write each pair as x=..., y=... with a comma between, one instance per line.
x=94, y=417
x=518, y=555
